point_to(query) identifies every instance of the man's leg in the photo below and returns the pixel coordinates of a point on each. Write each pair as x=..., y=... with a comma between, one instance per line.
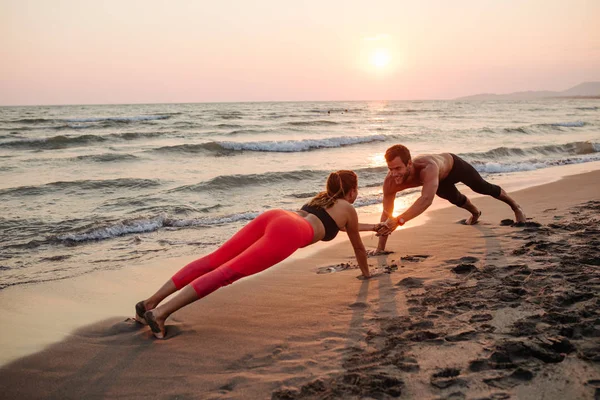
x=449, y=192
x=475, y=213
x=519, y=214
x=470, y=177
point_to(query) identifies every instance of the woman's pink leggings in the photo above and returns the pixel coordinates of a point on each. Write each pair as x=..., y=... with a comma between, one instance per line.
x=268, y=239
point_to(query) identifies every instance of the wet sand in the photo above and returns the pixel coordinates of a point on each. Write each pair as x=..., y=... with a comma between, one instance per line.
x=491, y=311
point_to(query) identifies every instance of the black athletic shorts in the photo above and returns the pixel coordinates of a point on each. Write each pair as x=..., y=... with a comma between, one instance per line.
x=464, y=172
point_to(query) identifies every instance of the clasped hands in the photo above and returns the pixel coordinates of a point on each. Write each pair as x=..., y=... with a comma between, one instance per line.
x=386, y=228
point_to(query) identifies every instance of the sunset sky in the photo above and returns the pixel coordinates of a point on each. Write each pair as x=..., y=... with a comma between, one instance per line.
x=81, y=52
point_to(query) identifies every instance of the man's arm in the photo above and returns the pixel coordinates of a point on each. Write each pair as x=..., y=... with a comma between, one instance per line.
x=389, y=197
x=430, y=178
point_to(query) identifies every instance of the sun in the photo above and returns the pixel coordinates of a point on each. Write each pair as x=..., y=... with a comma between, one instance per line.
x=380, y=58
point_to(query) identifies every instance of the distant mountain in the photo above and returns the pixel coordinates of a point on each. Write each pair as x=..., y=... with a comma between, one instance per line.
x=586, y=89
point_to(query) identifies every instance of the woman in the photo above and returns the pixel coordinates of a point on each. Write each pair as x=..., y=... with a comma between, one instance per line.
x=270, y=238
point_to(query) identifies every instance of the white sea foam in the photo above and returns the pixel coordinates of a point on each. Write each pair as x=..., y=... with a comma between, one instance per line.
x=368, y=200
x=151, y=225
x=213, y=221
x=120, y=229
x=498, y=168
x=576, y=124
x=290, y=146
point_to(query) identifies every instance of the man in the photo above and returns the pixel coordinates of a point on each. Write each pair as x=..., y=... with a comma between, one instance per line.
x=437, y=173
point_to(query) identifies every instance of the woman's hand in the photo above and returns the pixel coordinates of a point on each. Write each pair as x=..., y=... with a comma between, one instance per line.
x=377, y=227
x=388, y=227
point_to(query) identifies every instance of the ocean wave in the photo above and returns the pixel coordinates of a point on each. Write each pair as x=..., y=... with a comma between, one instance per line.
x=73, y=127
x=536, y=128
x=210, y=221
x=62, y=141
x=107, y=157
x=94, y=119
x=228, y=126
x=32, y=120
x=575, y=124
x=55, y=142
x=249, y=131
x=14, y=130
x=75, y=186
x=519, y=130
x=303, y=195
x=136, y=135
x=368, y=201
x=226, y=182
x=237, y=181
x=335, y=110
x=284, y=146
x=492, y=167
x=313, y=123
x=174, y=209
x=230, y=115
x=292, y=146
x=120, y=119
x=210, y=147
x=572, y=148
x=112, y=231
x=587, y=108
x=147, y=225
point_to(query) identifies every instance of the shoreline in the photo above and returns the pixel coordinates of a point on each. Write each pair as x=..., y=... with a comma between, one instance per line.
x=76, y=300
x=470, y=311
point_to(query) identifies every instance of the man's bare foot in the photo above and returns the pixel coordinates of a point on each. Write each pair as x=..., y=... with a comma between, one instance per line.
x=520, y=215
x=157, y=325
x=140, y=309
x=473, y=219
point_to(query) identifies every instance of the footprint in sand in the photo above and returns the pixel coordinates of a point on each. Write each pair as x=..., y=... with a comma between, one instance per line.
x=411, y=283
x=517, y=377
x=385, y=269
x=446, y=378
x=335, y=268
x=463, y=260
x=528, y=224
x=462, y=269
x=415, y=258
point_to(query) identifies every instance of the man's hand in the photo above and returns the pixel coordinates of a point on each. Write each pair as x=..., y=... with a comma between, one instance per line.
x=390, y=226
x=379, y=226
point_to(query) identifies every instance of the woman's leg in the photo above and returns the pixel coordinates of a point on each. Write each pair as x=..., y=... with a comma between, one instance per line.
x=283, y=235
x=234, y=246
x=239, y=242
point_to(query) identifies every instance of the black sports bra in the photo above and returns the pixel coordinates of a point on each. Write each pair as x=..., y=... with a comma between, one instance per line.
x=331, y=228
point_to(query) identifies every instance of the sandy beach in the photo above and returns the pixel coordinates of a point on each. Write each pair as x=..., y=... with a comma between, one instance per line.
x=492, y=311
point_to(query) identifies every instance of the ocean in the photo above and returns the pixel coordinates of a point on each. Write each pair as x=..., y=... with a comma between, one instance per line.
x=97, y=187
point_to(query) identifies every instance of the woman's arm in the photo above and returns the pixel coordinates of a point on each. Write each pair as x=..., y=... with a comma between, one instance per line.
x=352, y=229
x=368, y=227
